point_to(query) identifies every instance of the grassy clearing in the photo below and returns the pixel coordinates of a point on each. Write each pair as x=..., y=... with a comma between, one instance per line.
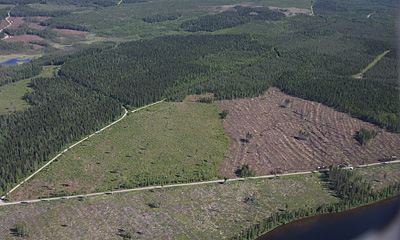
x=209, y=211
x=168, y=142
x=11, y=94
x=358, y=75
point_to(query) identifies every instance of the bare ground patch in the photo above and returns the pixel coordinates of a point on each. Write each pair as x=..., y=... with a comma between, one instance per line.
x=292, y=11
x=16, y=22
x=25, y=38
x=39, y=18
x=37, y=26
x=223, y=8
x=69, y=31
x=3, y=23
x=277, y=132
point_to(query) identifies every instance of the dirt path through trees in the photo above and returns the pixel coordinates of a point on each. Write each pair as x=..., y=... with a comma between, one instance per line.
x=9, y=25
x=360, y=74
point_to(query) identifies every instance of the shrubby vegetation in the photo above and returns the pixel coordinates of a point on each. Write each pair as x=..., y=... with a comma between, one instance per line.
x=46, y=33
x=21, y=229
x=245, y=171
x=27, y=11
x=352, y=189
x=365, y=135
x=162, y=17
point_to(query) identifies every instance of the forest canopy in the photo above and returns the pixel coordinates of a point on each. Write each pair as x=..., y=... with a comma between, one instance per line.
x=311, y=57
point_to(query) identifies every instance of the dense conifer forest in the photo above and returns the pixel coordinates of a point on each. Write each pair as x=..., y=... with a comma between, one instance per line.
x=239, y=15
x=313, y=57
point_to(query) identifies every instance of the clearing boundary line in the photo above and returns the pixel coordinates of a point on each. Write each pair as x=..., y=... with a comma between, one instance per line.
x=65, y=150
x=2, y=203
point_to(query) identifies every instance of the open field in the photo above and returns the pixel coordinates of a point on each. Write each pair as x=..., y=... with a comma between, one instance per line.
x=169, y=142
x=201, y=212
x=292, y=11
x=69, y=31
x=11, y=94
x=279, y=133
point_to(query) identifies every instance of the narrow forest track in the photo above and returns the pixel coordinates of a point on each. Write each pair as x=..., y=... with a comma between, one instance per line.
x=312, y=10
x=9, y=25
x=376, y=60
x=68, y=148
x=2, y=203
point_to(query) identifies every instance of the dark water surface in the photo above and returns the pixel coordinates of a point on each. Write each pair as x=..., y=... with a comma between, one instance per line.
x=345, y=225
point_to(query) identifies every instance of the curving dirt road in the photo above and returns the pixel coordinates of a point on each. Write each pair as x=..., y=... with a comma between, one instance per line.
x=9, y=24
x=2, y=203
x=82, y=140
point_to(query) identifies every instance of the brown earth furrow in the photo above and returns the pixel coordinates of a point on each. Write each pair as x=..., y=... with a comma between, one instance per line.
x=275, y=122
x=294, y=149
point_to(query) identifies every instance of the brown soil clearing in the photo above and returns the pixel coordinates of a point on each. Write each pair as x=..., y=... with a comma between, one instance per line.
x=69, y=31
x=25, y=38
x=223, y=8
x=39, y=18
x=36, y=26
x=274, y=142
x=3, y=23
x=292, y=11
x=16, y=22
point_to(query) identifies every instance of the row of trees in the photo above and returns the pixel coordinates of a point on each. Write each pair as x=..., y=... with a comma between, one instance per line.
x=162, y=17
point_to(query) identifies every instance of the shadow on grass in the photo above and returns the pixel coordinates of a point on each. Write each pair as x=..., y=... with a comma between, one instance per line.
x=326, y=183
